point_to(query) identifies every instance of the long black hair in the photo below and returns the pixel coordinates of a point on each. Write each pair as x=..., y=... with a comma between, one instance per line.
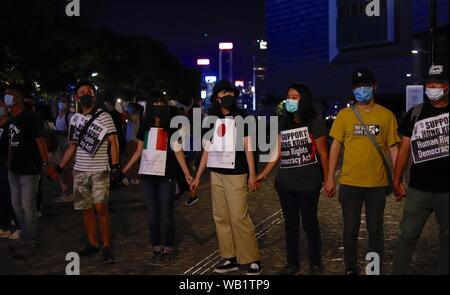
x=306, y=110
x=149, y=115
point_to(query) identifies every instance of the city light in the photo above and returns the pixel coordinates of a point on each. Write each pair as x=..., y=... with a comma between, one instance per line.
x=239, y=83
x=210, y=79
x=414, y=51
x=203, y=94
x=263, y=45
x=225, y=46
x=203, y=62
x=119, y=100
x=94, y=74
x=409, y=75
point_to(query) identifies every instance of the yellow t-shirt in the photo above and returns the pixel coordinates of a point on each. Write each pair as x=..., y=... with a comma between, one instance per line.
x=363, y=166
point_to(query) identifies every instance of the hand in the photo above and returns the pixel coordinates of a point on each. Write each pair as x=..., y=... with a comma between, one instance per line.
x=189, y=178
x=260, y=178
x=399, y=190
x=52, y=173
x=330, y=188
x=194, y=184
x=252, y=184
x=116, y=175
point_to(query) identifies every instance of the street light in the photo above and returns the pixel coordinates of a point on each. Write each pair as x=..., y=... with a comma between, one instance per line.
x=409, y=75
x=203, y=62
x=417, y=51
x=94, y=74
x=226, y=46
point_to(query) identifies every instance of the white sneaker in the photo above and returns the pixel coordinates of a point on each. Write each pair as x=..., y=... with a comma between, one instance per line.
x=64, y=199
x=15, y=235
x=125, y=182
x=5, y=233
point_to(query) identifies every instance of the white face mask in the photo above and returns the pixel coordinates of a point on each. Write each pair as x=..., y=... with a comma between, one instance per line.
x=435, y=94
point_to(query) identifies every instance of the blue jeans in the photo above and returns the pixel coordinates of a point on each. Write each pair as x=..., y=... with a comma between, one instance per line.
x=159, y=196
x=24, y=189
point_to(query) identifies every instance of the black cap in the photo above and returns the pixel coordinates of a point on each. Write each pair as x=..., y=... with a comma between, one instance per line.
x=225, y=85
x=438, y=73
x=362, y=76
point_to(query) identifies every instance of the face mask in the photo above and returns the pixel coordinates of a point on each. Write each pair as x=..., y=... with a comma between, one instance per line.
x=9, y=100
x=227, y=102
x=435, y=94
x=2, y=111
x=86, y=101
x=62, y=106
x=363, y=94
x=291, y=105
x=162, y=113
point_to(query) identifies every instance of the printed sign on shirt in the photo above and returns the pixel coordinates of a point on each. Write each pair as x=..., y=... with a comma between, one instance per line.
x=429, y=140
x=297, y=148
x=154, y=155
x=222, y=153
x=94, y=135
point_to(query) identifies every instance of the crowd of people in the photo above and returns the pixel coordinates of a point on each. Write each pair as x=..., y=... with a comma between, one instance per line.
x=82, y=153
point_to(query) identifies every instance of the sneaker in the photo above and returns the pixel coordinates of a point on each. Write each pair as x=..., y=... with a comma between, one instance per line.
x=166, y=258
x=88, y=250
x=191, y=202
x=125, y=182
x=155, y=260
x=351, y=272
x=290, y=270
x=5, y=233
x=227, y=265
x=108, y=257
x=15, y=235
x=64, y=199
x=254, y=268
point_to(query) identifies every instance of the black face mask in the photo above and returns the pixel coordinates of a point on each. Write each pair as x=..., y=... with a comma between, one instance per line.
x=86, y=101
x=161, y=112
x=227, y=102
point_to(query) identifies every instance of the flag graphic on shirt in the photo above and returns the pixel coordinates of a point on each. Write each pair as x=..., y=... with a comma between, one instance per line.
x=222, y=153
x=154, y=155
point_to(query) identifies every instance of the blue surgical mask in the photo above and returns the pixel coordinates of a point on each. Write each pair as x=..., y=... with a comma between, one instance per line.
x=291, y=105
x=9, y=100
x=62, y=106
x=363, y=94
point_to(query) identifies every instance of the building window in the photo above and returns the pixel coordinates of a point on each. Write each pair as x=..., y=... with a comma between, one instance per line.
x=350, y=26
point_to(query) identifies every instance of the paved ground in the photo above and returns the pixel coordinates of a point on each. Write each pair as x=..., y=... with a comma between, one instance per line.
x=61, y=232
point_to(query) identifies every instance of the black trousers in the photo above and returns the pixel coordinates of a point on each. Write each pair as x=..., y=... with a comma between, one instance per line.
x=6, y=209
x=304, y=205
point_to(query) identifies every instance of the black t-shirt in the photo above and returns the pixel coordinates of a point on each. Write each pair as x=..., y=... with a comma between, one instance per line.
x=23, y=131
x=4, y=129
x=240, y=164
x=300, y=168
x=429, y=148
x=171, y=161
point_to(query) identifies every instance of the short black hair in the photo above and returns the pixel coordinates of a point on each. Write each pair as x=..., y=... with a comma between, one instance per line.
x=16, y=87
x=85, y=83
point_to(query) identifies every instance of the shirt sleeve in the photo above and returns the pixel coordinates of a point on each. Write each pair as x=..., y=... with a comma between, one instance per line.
x=406, y=127
x=37, y=126
x=338, y=129
x=141, y=132
x=392, y=136
x=108, y=122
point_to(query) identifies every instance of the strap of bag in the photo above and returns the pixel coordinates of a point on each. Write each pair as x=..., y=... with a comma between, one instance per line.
x=88, y=123
x=416, y=113
x=375, y=144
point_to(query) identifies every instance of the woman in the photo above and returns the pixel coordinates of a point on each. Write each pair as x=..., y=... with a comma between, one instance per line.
x=303, y=151
x=158, y=180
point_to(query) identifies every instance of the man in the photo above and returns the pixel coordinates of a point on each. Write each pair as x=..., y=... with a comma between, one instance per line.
x=364, y=178
x=28, y=154
x=424, y=132
x=62, y=128
x=231, y=173
x=91, y=175
x=110, y=106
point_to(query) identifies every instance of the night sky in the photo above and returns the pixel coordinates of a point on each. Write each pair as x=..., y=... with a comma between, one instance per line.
x=182, y=26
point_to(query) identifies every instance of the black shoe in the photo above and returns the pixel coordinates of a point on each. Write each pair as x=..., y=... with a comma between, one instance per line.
x=351, y=272
x=88, y=250
x=227, y=265
x=166, y=258
x=191, y=202
x=290, y=270
x=108, y=257
x=254, y=268
x=316, y=269
x=155, y=260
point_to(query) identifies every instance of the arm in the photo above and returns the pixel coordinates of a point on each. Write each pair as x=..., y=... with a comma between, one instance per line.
x=114, y=142
x=68, y=154
x=251, y=163
x=182, y=161
x=330, y=185
x=42, y=147
x=136, y=155
x=393, y=153
x=271, y=165
x=400, y=166
x=201, y=169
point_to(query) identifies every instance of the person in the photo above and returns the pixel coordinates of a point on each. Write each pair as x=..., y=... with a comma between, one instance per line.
x=424, y=132
x=158, y=183
x=28, y=155
x=133, y=123
x=234, y=227
x=110, y=106
x=300, y=176
x=62, y=131
x=91, y=177
x=7, y=229
x=364, y=177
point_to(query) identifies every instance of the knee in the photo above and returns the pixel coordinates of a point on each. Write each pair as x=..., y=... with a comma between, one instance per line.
x=101, y=210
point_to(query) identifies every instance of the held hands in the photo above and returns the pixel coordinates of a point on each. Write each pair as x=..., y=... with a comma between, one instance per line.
x=52, y=173
x=330, y=188
x=399, y=190
x=188, y=178
x=252, y=183
x=194, y=184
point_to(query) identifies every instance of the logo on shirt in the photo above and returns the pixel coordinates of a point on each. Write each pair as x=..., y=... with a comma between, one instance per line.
x=13, y=131
x=360, y=131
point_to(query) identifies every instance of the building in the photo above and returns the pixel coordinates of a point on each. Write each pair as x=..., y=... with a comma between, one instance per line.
x=321, y=42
